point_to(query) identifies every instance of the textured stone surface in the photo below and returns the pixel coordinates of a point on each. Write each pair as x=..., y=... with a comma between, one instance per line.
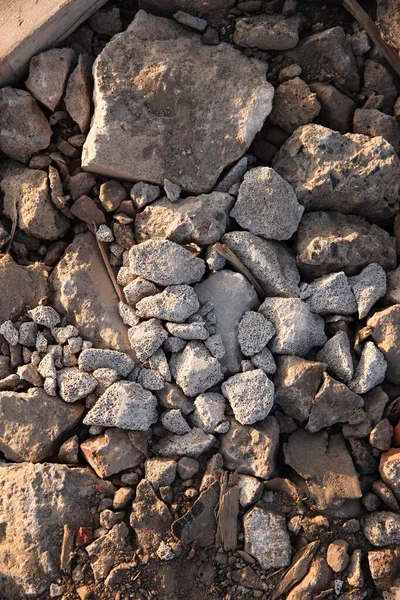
x=254, y=333
x=266, y=538
x=382, y=528
x=370, y=371
x=78, y=93
x=337, y=355
x=191, y=444
x=389, y=21
x=322, y=167
x=146, y=338
x=330, y=294
x=389, y=469
x=267, y=32
x=175, y=303
x=114, y=451
x=337, y=109
x=385, y=326
x=48, y=72
x=28, y=285
x=250, y=394
x=194, y=369
x=92, y=359
x=178, y=91
x=150, y=518
x=294, y=105
x=373, y=123
x=209, y=413
x=74, y=385
x=368, y=287
x=199, y=523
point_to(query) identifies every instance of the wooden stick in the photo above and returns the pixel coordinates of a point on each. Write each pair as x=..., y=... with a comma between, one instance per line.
x=67, y=548
x=226, y=253
x=228, y=511
x=103, y=250
x=367, y=23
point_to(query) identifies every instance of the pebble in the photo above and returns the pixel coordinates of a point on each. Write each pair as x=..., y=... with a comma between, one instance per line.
x=381, y=436
x=104, y=234
x=47, y=367
x=337, y=555
x=144, y=193
x=266, y=538
x=192, y=444
x=27, y=334
x=112, y=193
x=146, y=338
x=254, y=332
x=250, y=490
x=382, y=528
x=10, y=334
x=128, y=314
x=188, y=331
x=370, y=371
x=44, y=315
x=214, y=260
x=264, y=360
x=195, y=23
x=194, y=369
x=215, y=346
x=188, y=468
x=123, y=498
x=175, y=422
x=337, y=355
x=172, y=190
x=75, y=385
x=250, y=394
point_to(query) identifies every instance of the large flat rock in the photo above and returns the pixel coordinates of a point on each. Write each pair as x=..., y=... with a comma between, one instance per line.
x=25, y=287
x=167, y=106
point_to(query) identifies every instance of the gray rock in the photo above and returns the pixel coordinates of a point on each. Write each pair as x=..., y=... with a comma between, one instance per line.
x=268, y=32
x=266, y=538
x=187, y=467
x=332, y=241
x=150, y=379
x=188, y=331
x=160, y=471
x=48, y=72
x=233, y=175
x=298, y=330
x=146, y=338
x=175, y=303
x=382, y=528
x=9, y=332
x=368, y=287
x=195, y=23
x=381, y=436
x=379, y=80
x=124, y=404
x=144, y=193
x=251, y=450
x=172, y=190
x=294, y=105
x=215, y=346
x=385, y=331
x=138, y=289
x=198, y=219
x=172, y=397
x=271, y=262
x=150, y=518
x=267, y=205
x=191, y=444
x=175, y=422
x=209, y=413
x=128, y=314
x=104, y=550
x=264, y=360
x=370, y=371
x=337, y=355
x=250, y=394
x=78, y=93
x=337, y=109
x=250, y=490
x=24, y=128
x=232, y=296
x=97, y=358
x=326, y=176
x=112, y=193
x=165, y=263
x=214, y=260
x=330, y=294
x=27, y=334
x=44, y=315
x=195, y=370
x=104, y=234
x=158, y=362
x=156, y=146
x=74, y=385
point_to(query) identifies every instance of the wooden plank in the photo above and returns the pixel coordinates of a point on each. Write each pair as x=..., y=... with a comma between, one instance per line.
x=30, y=26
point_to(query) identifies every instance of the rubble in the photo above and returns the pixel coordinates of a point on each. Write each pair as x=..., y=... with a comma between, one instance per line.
x=48, y=72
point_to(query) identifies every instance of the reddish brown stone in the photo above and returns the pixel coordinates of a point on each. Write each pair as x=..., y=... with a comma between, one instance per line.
x=111, y=452
x=87, y=210
x=84, y=536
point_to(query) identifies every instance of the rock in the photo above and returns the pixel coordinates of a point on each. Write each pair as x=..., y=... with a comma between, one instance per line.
x=197, y=219
x=384, y=566
x=146, y=338
x=143, y=193
x=48, y=72
x=232, y=295
x=172, y=397
x=251, y=450
x=382, y=528
x=385, y=494
x=388, y=21
x=201, y=7
x=199, y=524
x=373, y=123
x=165, y=263
x=26, y=192
x=297, y=329
x=332, y=241
x=326, y=466
x=112, y=452
x=69, y=451
x=381, y=435
x=250, y=490
x=150, y=518
x=355, y=576
x=175, y=303
x=320, y=165
x=24, y=128
x=364, y=461
x=191, y=444
x=160, y=471
x=112, y=193
x=106, y=22
x=96, y=358
x=215, y=346
x=294, y=105
x=195, y=23
x=187, y=468
x=296, y=384
x=81, y=184
x=330, y=294
x=250, y=394
x=389, y=469
x=78, y=93
x=337, y=556
x=337, y=355
x=188, y=331
x=370, y=371
x=175, y=422
x=36, y=502
x=264, y=360
x=74, y=385
x=267, y=196
x=104, y=550
x=153, y=142
x=266, y=538
x=378, y=79
x=74, y=288
x=368, y=287
x=318, y=579
x=393, y=287
x=233, y=176
x=194, y=369
x=327, y=51
x=267, y=32
x=337, y=109
x=254, y=332
x=124, y=404
x=9, y=333
x=209, y=413
x=28, y=285
x=137, y=289
x=385, y=326
x=87, y=211
x=33, y=424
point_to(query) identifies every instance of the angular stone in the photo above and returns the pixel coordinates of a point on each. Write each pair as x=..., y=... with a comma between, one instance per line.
x=266, y=538
x=370, y=371
x=330, y=294
x=250, y=394
x=268, y=32
x=209, y=413
x=150, y=518
x=137, y=289
x=199, y=524
x=74, y=385
x=172, y=397
x=322, y=167
x=332, y=241
x=165, y=263
x=337, y=355
x=250, y=490
x=379, y=80
x=198, y=219
x=33, y=424
x=124, y=404
x=26, y=192
x=382, y=528
x=195, y=370
x=337, y=109
x=146, y=338
x=92, y=359
x=337, y=555
x=188, y=331
x=103, y=552
x=368, y=287
x=326, y=466
x=24, y=128
x=191, y=444
x=78, y=93
x=175, y=303
x=112, y=452
x=81, y=289
x=389, y=469
x=37, y=501
x=251, y=450
x=264, y=360
x=26, y=285
x=294, y=105
x=48, y=72
x=112, y=193
x=254, y=333
x=175, y=422
x=86, y=209
x=160, y=471
x=81, y=184
x=384, y=567
x=152, y=144
x=385, y=326
x=389, y=21
x=318, y=579
x=267, y=205
x=381, y=436
x=373, y=123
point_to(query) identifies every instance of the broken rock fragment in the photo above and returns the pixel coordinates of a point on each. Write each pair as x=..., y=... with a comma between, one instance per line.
x=250, y=394
x=330, y=294
x=199, y=524
x=112, y=452
x=385, y=326
x=92, y=359
x=337, y=355
x=368, y=287
x=382, y=528
x=191, y=444
x=294, y=105
x=266, y=538
x=370, y=370
x=268, y=32
x=78, y=93
x=150, y=517
x=159, y=144
x=175, y=303
x=254, y=333
x=29, y=285
x=194, y=369
x=48, y=72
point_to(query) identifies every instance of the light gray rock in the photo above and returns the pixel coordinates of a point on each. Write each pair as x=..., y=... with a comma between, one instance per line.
x=75, y=385
x=214, y=260
x=267, y=205
x=172, y=397
x=156, y=145
x=126, y=405
x=215, y=346
x=297, y=328
x=382, y=435
x=233, y=175
x=175, y=422
x=176, y=303
x=104, y=233
x=103, y=550
x=172, y=190
x=337, y=355
x=375, y=123
x=250, y=490
x=194, y=369
x=264, y=360
x=191, y=444
x=143, y=193
x=160, y=471
x=146, y=338
x=382, y=528
x=268, y=32
x=165, y=263
x=370, y=371
x=128, y=314
x=266, y=538
x=254, y=333
x=188, y=331
x=368, y=287
x=326, y=176
x=78, y=93
x=250, y=394
x=27, y=334
x=188, y=20
x=137, y=289
x=48, y=72
x=330, y=294
x=44, y=315
x=150, y=379
x=198, y=219
x=209, y=413
x=232, y=296
x=47, y=367
x=393, y=287
x=97, y=358
x=271, y=262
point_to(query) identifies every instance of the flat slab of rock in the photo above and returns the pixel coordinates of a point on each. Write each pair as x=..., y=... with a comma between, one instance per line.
x=158, y=126
x=48, y=72
x=81, y=289
x=150, y=517
x=25, y=285
x=349, y=173
x=385, y=326
x=36, y=501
